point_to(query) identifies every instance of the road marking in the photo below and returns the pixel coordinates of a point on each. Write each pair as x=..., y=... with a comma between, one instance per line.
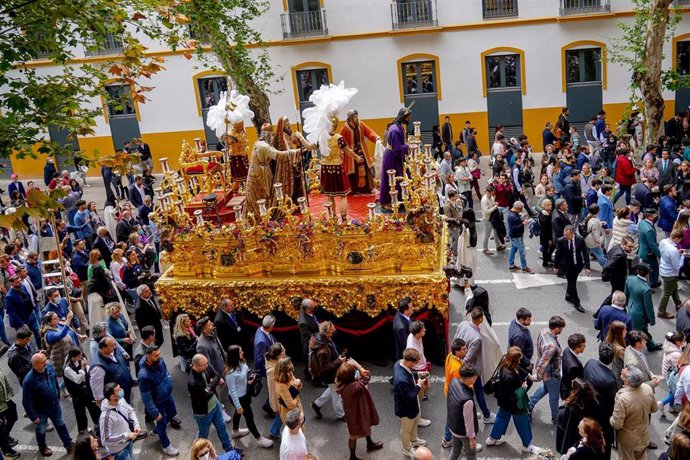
x=498, y=281
x=500, y=323
x=386, y=379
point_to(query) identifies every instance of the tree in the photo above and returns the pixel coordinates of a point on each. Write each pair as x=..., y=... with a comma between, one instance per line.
x=640, y=47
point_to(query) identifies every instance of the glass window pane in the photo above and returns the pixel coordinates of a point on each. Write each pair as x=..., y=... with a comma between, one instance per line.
x=210, y=89
x=306, y=84
x=683, y=58
x=322, y=77
x=411, y=76
x=428, y=83
x=592, y=65
x=572, y=65
x=120, y=100
x=493, y=70
x=510, y=64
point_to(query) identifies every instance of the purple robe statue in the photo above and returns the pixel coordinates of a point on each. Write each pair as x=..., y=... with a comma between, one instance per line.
x=393, y=158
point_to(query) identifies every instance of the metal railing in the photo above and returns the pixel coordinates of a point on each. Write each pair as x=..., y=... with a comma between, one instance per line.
x=406, y=15
x=499, y=8
x=305, y=24
x=111, y=45
x=569, y=7
x=681, y=3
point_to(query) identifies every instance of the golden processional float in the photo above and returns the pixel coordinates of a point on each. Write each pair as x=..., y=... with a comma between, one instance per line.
x=269, y=262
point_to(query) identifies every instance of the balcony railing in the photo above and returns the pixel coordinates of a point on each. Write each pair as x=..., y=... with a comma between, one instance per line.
x=111, y=45
x=304, y=24
x=570, y=7
x=682, y=2
x=499, y=8
x=406, y=15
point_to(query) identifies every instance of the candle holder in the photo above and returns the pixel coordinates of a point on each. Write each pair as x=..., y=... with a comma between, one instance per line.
x=372, y=209
x=278, y=186
x=238, y=213
x=158, y=192
x=404, y=189
x=262, y=207
x=427, y=150
x=164, y=165
x=417, y=130
x=199, y=217
x=329, y=209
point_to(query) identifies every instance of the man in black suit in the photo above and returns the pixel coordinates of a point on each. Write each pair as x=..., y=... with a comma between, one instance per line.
x=600, y=376
x=559, y=218
x=308, y=325
x=105, y=244
x=667, y=169
x=643, y=193
x=447, y=134
x=123, y=228
x=227, y=324
x=147, y=312
x=569, y=259
x=401, y=325
x=145, y=152
x=571, y=367
x=616, y=269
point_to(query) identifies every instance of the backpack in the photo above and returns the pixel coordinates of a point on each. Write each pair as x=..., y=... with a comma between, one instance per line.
x=582, y=228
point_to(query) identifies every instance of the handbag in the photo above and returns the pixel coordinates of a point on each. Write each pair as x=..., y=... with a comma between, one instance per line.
x=254, y=383
x=491, y=385
x=294, y=392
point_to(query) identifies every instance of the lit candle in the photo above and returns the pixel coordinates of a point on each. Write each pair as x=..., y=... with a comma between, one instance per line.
x=372, y=208
x=279, y=191
x=302, y=202
x=262, y=207
x=403, y=187
x=429, y=179
x=199, y=217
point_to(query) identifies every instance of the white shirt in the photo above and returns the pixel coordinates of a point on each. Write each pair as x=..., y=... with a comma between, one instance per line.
x=671, y=259
x=292, y=446
x=418, y=345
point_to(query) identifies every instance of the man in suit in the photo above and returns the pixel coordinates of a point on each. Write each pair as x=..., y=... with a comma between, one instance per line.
x=308, y=325
x=640, y=303
x=599, y=374
x=667, y=169
x=571, y=367
x=401, y=325
x=209, y=346
x=648, y=249
x=105, y=244
x=137, y=191
x=570, y=258
x=616, y=269
x=559, y=218
x=123, y=228
x=20, y=308
x=227, y=323
x=610, y=313
x=147, y=313
x=406, y=402
x=263, y=339
x=643, y=192
x=145, y=152
x=634, y=356
x=447, y=135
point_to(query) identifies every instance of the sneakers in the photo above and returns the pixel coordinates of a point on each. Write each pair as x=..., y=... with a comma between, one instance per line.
x=171, y=451
x=488, y=252
x=424, y=422
x=11, y=453
x=419, y=442
x=479, y=448
x=263, y=442
x=490, y=419
x=527, y=270
x=531, y=449
x=240, y=432
x=494, y=442
x=445, y=444
x=662, y=408
x=514, y=268
x=408, y=453
x=226, y=417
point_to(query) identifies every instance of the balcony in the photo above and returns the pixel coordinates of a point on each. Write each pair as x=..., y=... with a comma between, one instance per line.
x=573, y=7
x=678, y=3
x=496, y=9
x=408, y=15
x=111, y=45
x=304, y=24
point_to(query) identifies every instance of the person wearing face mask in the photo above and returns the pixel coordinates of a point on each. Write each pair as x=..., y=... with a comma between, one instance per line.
x=118, y=423
x=156, y=388
x=202, y=449
x=58, y=305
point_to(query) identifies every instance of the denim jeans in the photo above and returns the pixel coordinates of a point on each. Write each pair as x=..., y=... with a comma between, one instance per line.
x=125, y=454
x=56, y=416
x=32, y=324
x=623, y=190
x=3, y=334
x=167, y=411
x=481, y=400
x=599, y=254
x=517, y=244
x=214, y=417
x=276, y=427
x=504, y=213
x=668, y=400
x=553, y=388
x=521, y=422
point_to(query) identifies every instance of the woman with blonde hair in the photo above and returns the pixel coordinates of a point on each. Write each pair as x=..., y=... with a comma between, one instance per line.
x=616, y=338
x=118, y=326
x=185, y=339
x=287, y=388
x=116, y=267
x=202, y=449
x=273, y=355
x=648, y=170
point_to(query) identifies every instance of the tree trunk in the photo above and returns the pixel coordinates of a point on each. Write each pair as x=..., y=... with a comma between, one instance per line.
x=650, y=79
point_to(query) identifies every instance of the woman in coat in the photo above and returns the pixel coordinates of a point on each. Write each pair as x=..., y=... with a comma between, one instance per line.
x=546, y=233
x=185, y=340
x=580, y=403
x=594, y=234
x=287, y=388
x=274, y=354
x=118, y=326
x=512, y=402
x=360, y=411
x=625, y=176
x=623, y=226
x=58, y=339
x=616, y=338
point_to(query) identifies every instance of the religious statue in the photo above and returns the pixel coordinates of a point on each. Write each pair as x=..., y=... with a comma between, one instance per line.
x=236, y=142
x=394, y=156
x=260, y=177
x=291, y=175
x=355, y=133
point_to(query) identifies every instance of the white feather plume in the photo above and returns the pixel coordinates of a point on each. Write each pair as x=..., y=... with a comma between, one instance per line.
x=328, y=101
x=220, y=114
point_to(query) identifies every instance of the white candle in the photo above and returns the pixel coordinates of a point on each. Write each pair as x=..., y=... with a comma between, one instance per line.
x=262, y=207
x=403, y=187
x=279, y=191
x=199, y=217
x=238, y=213
x=302, y=202
x=372, y=208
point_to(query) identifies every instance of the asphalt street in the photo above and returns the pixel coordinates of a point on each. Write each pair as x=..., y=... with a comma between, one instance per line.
x=542, y=293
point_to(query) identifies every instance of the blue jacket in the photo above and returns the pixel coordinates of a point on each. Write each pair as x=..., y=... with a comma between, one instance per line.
x=605, y=211
x=405, y=392
x=647, y=240
x=80, y=264
x=17, y=311
x=61, y=309
x=608, y=314
x=667, y=213
x=155, y=385
x=262, y=342
x=35, y=275
x=581, y=160
x=515, y=227
x=592, y=197
x=519, y=336
x=16, y=187
x=40, y=392
x=85, y=230
x=48, y=173
x=573, y=195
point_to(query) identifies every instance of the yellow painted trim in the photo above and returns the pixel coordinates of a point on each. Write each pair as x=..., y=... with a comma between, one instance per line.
x=285, y=4
x=195, y=80
x=307, y=66
x=503, y=50
x=105, y=107
x=578, y=44
x=415, y=58
x=674, y=48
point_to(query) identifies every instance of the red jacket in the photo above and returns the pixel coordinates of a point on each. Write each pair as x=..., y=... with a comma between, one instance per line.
x=502, y=194
x=625, y=171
